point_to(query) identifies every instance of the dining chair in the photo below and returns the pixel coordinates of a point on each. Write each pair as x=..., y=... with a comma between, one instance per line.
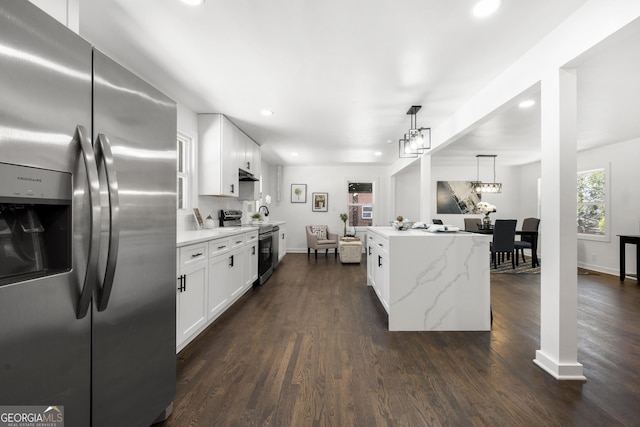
x=472, y=224
x=504, y=233
x=526, y=242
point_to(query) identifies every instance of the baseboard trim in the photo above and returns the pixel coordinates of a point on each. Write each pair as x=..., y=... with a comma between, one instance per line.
x=565, y=371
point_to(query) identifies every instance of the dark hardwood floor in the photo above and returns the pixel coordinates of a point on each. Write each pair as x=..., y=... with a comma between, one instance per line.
x=311, y=348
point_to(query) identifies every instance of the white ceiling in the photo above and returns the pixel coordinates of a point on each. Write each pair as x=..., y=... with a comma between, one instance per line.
x=341, y=74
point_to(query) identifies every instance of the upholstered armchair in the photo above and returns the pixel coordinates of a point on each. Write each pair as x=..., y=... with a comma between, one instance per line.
x=319, y=237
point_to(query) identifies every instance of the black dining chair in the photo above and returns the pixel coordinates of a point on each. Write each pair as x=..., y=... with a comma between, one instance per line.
x=504, y=233
x=437, y=221
x=526, y=242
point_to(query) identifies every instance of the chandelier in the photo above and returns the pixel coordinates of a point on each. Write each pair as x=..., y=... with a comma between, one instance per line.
x=486, y=187
x=417, y=140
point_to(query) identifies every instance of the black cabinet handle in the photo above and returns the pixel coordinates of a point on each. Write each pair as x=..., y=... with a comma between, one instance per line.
x=231, y=261
x=253, y=250
x=369, y=250
x=282, y=236
x=222, y=247
x=183, y=283
x=196, y=255
x=248, y=165
x=233, y=189
x=379, y=261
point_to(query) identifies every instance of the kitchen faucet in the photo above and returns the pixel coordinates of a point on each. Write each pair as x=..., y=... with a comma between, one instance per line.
x=266, y=210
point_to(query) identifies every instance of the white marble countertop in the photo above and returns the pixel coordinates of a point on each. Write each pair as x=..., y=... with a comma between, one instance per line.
x=392, y=232
x=184, y=238
x=196, y=236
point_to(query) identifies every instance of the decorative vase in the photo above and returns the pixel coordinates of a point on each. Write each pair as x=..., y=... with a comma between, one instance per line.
x=345, y=229
x=486, y=221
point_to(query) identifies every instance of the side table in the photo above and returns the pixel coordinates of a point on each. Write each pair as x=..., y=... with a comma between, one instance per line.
x=633, y=240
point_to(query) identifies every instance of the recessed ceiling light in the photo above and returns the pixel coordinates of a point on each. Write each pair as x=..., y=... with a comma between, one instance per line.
x=193, y=2
x=389, y=141
x=526, y=104
x=377, y=153
x=485, y=8
x=294, y=154
x=266, y=112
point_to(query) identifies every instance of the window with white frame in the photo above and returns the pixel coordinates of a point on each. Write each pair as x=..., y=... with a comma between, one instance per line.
x=360, y=204
x=183, y=169
x=593, y=197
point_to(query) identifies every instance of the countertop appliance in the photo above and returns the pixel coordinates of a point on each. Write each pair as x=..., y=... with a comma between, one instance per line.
x=87, y=229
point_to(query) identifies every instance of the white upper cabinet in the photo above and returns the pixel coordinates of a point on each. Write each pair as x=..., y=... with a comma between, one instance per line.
x=248, y=155
x=217, y=155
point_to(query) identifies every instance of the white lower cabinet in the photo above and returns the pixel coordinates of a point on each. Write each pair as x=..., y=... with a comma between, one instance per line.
x=251, y=260
x=378, y=268
x=191, y=306
x=235, y=278
x=218, y=278
x=211, y=277
x=282, y=245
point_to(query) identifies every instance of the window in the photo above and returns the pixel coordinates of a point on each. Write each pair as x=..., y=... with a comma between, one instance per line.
x=360, y=204
x=592, y=192
x=183, y=169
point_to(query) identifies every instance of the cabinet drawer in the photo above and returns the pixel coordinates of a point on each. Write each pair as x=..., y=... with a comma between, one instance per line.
x=192, y=253
x=219, y=246
x=236, y=241
x=251, y=237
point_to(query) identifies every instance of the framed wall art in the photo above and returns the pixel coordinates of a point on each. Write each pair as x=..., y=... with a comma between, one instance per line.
x=298, y=193
x=457, y=197
x=320, y=202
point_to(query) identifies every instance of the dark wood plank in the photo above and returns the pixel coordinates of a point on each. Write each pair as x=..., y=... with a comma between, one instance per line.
x=311, y=348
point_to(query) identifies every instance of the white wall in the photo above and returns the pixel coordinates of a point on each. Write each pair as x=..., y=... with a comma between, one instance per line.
x=65, y=11
x=508, y=203
x=624, y=210
x=407, y=194
x=331, y=180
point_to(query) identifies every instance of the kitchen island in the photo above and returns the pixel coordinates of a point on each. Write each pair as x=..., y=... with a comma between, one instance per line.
x=430, y=281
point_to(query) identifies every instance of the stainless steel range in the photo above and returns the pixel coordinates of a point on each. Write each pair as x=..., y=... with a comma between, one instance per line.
x=232, y=218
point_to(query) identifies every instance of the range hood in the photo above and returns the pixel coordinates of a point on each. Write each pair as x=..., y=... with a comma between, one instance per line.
x=246, y=176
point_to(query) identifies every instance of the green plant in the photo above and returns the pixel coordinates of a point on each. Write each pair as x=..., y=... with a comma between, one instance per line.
x=344, y=217
x=256, y=217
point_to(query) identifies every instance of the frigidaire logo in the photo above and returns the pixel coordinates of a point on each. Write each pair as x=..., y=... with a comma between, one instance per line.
x=31, y=416
x=29, y=178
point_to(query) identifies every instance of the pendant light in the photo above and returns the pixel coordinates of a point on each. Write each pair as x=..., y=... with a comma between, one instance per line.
x=417, y=140
x=486, y=187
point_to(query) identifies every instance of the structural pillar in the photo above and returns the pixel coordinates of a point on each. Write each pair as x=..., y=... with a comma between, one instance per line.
x=426, y=186
x=559, y=282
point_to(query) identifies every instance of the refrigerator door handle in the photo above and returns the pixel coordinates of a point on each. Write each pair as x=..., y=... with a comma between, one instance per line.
x=93, y=181
x=103, y=149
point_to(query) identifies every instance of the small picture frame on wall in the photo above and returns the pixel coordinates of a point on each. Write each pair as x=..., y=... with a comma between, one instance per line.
x=298, y=193
x=320, y=202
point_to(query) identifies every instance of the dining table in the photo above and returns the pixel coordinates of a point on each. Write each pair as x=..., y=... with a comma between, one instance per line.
x=534, y=242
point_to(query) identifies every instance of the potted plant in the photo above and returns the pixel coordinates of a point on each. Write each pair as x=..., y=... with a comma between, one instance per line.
x=256, y=217
x=344, y=217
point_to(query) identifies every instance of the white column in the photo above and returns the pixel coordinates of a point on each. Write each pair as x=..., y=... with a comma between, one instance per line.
x=559, y=282
x=426, y=186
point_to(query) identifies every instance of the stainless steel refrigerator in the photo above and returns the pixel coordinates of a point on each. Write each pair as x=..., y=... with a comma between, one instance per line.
x=87, y=229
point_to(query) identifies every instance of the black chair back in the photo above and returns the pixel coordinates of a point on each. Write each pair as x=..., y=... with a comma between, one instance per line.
x=437, y=221
x=529, y=224
x=504, y=233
